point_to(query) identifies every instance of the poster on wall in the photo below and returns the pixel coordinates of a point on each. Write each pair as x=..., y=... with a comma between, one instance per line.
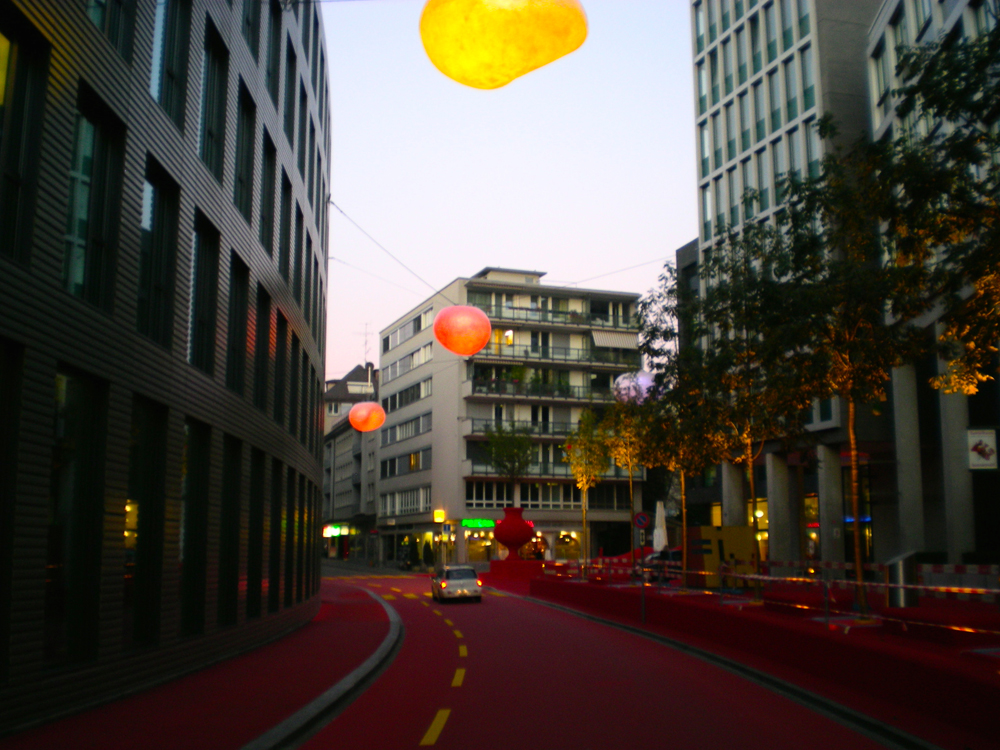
x=982, y=449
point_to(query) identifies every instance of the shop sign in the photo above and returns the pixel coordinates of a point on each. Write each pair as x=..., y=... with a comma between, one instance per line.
x=478, y=523
x=329, y=530
x=982, y=449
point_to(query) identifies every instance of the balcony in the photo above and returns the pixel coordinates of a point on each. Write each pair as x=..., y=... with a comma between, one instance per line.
x=552, y=391
x=595, y=356
x=558, y=317
x=558, y=470
x=542, y=429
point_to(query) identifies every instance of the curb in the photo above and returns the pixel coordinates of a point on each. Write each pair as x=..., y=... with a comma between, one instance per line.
x=313, y=716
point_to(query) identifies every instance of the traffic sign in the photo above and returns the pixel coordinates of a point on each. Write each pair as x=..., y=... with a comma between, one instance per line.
x=642, y=520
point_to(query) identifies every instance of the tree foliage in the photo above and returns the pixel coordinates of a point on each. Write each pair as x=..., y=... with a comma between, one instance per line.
x=586, y=452
x=511, y=451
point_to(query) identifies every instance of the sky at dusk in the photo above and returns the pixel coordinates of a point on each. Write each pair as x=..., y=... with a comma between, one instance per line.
x=582, y=169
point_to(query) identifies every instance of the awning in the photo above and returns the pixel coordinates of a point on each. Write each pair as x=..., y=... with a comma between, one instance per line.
x=616, y=339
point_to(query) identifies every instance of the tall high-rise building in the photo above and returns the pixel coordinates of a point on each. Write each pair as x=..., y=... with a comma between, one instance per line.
x=554, y=352
x=163, y=172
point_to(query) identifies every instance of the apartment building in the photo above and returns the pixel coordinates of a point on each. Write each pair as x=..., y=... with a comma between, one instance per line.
x=554, y=352
x=350, y=468
x=161, y=324
x=946, y=510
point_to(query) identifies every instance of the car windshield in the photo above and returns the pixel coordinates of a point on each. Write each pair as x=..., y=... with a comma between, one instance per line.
x=460, y=574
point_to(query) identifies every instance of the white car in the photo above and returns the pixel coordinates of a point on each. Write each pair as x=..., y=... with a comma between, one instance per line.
x=456, y=582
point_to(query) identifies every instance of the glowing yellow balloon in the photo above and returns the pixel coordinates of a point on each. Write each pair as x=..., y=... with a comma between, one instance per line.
x=486, y=44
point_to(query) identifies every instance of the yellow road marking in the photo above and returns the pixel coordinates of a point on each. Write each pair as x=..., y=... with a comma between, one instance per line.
x=388, y=597
x=458, y=633
x=448, y=622
x=434, y=731
x=457, y=679
x=425, y=604
x=398, y=591
x=463, y=650
x=428, y=594
x=496, y=593
x=376, y=585
x=409, y=596
x=437, y=612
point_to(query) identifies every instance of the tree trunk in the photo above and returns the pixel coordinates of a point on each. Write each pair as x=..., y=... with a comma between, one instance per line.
x=583, y=538
x=631, y=515
x=684, y=528
x=860, y=596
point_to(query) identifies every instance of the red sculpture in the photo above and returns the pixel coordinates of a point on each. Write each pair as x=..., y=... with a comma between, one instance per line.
x=513, y=532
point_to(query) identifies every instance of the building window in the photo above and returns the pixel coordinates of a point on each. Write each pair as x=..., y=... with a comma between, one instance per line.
x=243, y=179
x=215, y=76
x=771, y=29
x=734, y=197
x=774, y=91
x=267, y=185
x=236, y=343
x=741, y=56
x=115, y=18
x=763, y=181
x=229, y=531
x=94, y=205
x=272, y=74
x=727, y=68
x=706, y=214
x=812, y=150
x=922, y=10
x=293, y=388
x=23, y=64
x=713, y=67
x=702, y=89
x=284, y=226
x=755, y=51
x=280, y=366
x=273, y=583
x=794, y=156
x=289, y=118
x=716, y=143
x=743, y=102
x=778, y=157
x=144, y=519
x=76, y=519
x=748, y=210
x=262, y=344
x=699, y=27
x=730, y=133
x=720, y=207
x=791, y=91
x=803, y=17
x=882, y=79
x=808, y=84
x=787, y=25
x=705, y=151
x=713, y=28
x=168, y=77
x=760, y=111
x=251, y=25
x=300, y=146
x=204, y=293
x=157, y=256
x=255, y=533
x=297, y=256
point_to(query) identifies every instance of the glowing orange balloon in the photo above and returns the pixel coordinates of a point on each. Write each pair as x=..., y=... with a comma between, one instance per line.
x=486, y=44
x=463, y=330
x=366, y=416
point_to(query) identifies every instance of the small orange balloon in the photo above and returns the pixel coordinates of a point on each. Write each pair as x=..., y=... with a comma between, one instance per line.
x=463, y=330
x=366, y=416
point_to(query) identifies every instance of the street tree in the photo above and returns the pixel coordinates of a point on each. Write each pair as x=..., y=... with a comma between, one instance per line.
x=585, y=450
x=626, y=428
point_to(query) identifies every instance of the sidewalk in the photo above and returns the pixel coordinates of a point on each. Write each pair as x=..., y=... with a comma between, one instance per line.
x=251, y=701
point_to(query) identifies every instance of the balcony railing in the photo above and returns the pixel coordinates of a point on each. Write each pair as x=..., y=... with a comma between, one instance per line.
x=553, y=469
x=482, y=426
x=559, y=317
x=540, y=390
x=628, y=358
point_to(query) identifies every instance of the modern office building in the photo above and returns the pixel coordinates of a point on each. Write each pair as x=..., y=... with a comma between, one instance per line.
x=554, y=351
x=350, y=468
x=944, y=507
x=765, y=72
x=162, y=282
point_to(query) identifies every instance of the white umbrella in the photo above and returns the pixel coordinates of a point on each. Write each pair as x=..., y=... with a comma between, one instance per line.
x=660, y=528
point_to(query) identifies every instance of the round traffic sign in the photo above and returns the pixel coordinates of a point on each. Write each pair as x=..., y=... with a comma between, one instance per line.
x=641, y=520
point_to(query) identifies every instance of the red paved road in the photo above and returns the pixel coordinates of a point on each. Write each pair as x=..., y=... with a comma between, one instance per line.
x=566, y=681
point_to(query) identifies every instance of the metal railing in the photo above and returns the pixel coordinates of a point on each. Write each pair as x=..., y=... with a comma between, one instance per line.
x=628, y=358
x=482, y=426
x=540, y=390
x=559, y=317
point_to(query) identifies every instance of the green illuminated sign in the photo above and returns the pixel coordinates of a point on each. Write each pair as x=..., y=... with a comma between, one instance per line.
x=478, y=523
